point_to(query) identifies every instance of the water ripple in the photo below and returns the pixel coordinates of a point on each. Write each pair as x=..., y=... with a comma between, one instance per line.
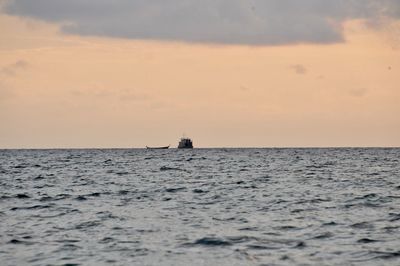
x=200, y=207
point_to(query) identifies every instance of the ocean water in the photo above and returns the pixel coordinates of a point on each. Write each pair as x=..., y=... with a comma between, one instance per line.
x=200, y=207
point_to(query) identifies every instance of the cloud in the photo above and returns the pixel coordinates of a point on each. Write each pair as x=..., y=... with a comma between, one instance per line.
x=123, y=95
x=11, y=69
x=244, y=88
x=360, y=92
x=299, y=69
x=250, y=22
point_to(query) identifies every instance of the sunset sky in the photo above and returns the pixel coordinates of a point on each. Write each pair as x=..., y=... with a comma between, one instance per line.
x=228, y=73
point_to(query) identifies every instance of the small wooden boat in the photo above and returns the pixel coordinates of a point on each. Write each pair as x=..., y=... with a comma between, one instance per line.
x=158, y=148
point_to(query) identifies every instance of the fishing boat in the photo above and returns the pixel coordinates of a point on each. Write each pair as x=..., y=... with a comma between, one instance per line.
x=157, y=148
x=185, y=143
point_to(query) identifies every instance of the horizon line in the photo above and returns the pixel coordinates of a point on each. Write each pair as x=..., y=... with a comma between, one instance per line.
x=204, y=148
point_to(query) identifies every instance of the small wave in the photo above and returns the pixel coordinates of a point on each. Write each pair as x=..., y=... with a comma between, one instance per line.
x=21, y=166
x=373, y=174
x=19, y=242
x=106, y=215
x=366, y=240
x=107, y=240
x=278, y=243
x=323, y=235
x=4, y=197
x=377, y=255
x=264, y=178
x=199, y=191
x=241, y=239
x=249, y=228
x=44, y=186
x=173, y=190
x=228, y=241
x=224, y=219
x=81, y=198
x=286, y=228
x=261, y=247
x=88, y=224
x=54, y=198
x=2, y=170
x=212, y=241
x=300, y=244
x=362, y=225
x=32, y=207
x=67, y=241
x=123, y=192
x=166, y=168
x=122, y=173
x=46, y=198
x=313, y=201
x=22, y=196
x=394, y=217
x=367, y=204
x=69, y=247
x=297, y=210
x=370, y=195
x=390, y=229
x=94, y=194
x=387, y=255
x=320, y=166
x=39, y=177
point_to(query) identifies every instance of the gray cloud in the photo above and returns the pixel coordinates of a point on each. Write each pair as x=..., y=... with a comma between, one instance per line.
x=360, y=92
x=251, y=22
x=299, y=69
x=11, y=69
x=123, y=95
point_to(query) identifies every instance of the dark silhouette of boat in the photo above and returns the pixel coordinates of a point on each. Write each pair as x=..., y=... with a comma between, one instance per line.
x=157, y=148
x=185, y=143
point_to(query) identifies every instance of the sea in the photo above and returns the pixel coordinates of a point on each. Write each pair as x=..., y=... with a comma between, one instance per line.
x=273, y=206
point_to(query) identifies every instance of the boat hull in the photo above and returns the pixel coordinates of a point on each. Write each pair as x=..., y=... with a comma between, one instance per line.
x=157, y=148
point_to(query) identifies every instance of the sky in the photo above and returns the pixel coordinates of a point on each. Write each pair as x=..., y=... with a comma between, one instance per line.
x=227, y=73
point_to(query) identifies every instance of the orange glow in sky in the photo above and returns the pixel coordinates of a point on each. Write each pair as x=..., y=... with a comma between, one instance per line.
x=66, y=90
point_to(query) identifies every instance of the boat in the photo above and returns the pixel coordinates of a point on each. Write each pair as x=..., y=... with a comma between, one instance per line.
x=157, y=148
x=185, y=143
